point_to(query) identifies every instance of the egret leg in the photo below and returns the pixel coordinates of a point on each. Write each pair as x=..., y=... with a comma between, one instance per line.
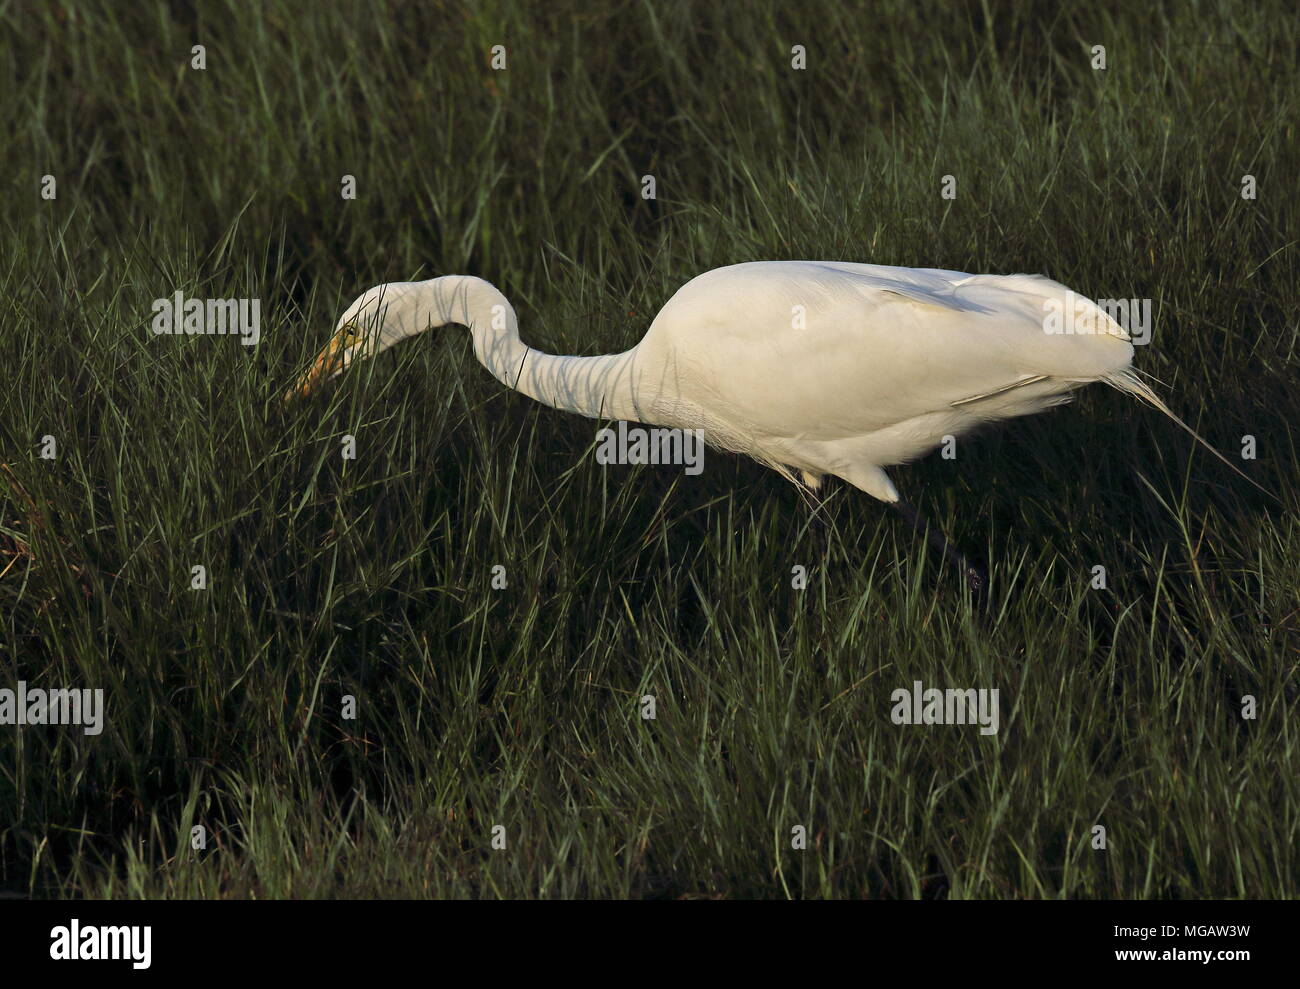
x=976, y=579
x=822, y=538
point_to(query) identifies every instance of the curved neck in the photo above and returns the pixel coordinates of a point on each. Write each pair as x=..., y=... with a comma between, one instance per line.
x=591, y=386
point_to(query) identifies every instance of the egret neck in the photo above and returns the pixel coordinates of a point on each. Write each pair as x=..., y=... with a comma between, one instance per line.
x=603, y=386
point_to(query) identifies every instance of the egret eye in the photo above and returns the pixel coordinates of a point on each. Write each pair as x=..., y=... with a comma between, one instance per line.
x=351, y=333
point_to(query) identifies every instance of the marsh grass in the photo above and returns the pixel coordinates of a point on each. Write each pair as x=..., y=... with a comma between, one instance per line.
x=521, y=707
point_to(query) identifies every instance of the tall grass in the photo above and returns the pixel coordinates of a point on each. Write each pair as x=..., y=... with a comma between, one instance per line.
x=521, y=707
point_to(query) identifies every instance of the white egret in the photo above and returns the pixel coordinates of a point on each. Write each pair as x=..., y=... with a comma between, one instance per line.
x=811, y=367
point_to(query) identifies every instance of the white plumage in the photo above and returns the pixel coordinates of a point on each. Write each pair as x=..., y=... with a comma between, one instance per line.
x=813, y=367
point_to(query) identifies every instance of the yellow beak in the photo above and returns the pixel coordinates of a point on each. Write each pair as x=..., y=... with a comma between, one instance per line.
x=322, y=369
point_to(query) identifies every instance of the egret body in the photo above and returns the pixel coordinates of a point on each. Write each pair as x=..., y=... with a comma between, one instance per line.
x=811, y=367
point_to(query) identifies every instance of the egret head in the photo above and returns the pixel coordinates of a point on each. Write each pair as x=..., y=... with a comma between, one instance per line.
x=376, y=320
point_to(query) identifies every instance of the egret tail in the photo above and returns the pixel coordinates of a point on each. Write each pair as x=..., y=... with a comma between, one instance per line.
x=1126, y=379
